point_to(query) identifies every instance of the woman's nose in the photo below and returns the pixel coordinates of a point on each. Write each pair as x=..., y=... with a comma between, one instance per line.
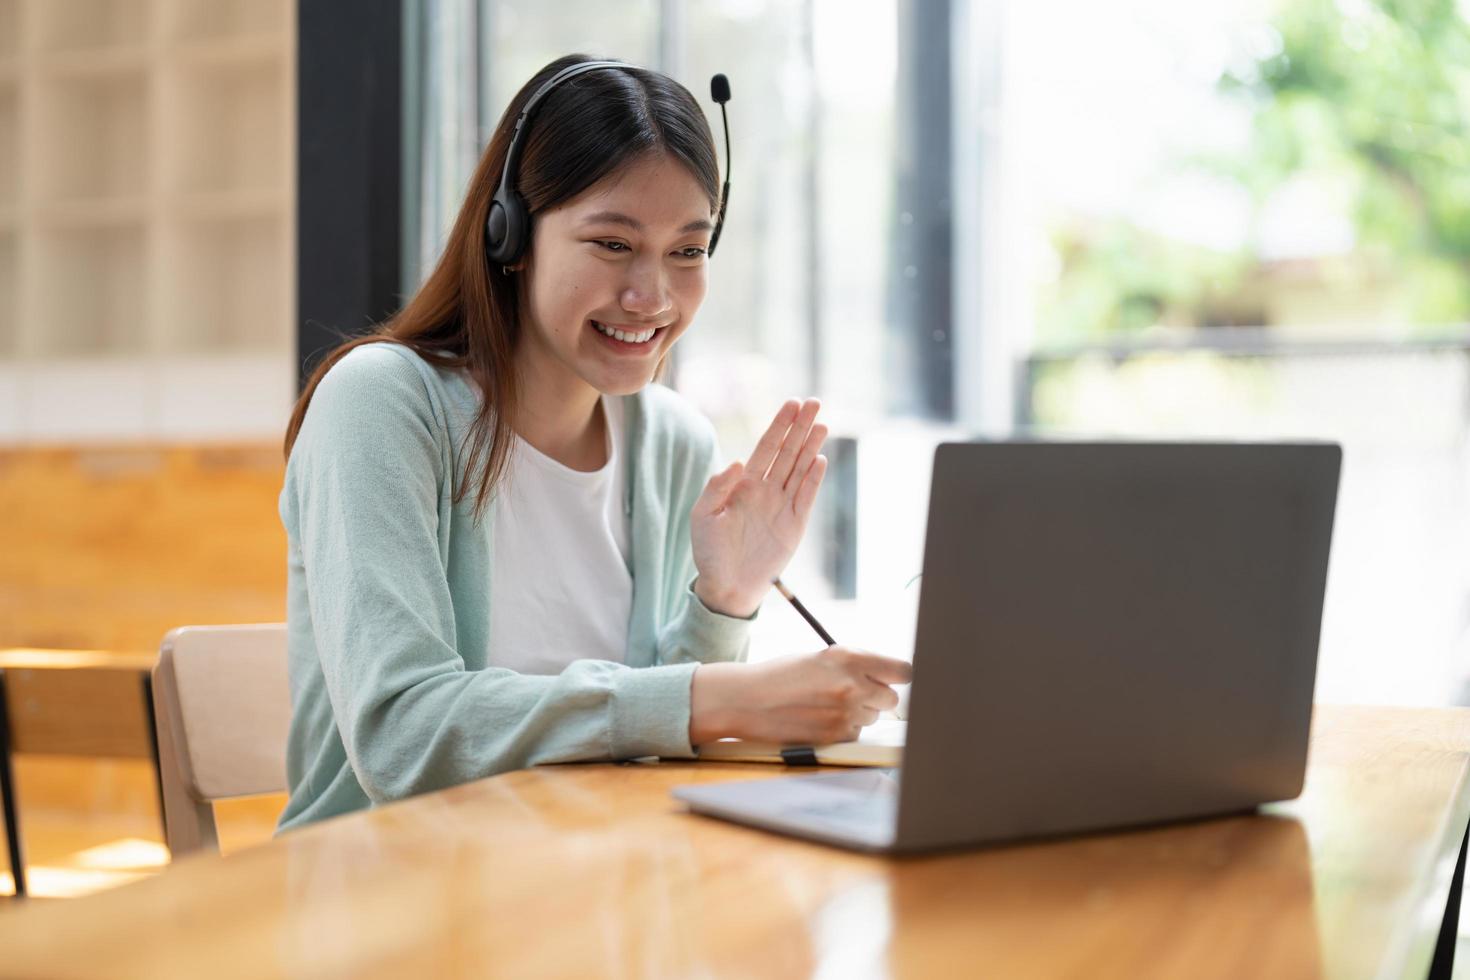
x=646, y=293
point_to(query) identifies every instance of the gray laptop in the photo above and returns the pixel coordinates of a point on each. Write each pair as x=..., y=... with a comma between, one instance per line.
x=1109, y=635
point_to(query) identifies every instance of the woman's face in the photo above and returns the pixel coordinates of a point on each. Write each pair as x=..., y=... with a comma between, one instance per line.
x=626, y=255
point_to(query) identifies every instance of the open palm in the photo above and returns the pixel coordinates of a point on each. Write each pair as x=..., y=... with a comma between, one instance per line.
x=750, y=518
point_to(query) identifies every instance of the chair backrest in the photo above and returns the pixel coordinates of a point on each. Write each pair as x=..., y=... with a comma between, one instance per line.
x=78, y=702
x=223, y=708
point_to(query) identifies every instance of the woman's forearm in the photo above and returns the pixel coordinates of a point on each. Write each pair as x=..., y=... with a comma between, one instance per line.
x=713, y=702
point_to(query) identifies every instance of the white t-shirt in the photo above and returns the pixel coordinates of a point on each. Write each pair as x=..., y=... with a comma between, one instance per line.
x=561, y=584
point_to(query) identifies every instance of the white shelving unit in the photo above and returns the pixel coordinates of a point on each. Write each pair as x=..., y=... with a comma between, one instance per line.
x=147, y=217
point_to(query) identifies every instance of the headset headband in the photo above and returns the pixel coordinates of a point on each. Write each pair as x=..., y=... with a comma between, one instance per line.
x=508, y=225
x=513, y=155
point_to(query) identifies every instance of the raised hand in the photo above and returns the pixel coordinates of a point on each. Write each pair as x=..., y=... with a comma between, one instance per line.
x=746, y=524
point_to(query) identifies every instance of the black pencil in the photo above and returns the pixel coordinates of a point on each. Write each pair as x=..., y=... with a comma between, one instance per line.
x=802, y=755
x=791, y=598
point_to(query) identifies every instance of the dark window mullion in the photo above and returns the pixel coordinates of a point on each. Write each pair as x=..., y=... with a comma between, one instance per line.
x=349, y=170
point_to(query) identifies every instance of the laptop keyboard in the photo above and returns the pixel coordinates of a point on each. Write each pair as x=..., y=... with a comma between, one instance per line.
x=865, y=810
x=855, y=808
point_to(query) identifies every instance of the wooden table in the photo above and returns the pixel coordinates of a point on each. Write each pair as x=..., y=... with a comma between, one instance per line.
x=581, y=871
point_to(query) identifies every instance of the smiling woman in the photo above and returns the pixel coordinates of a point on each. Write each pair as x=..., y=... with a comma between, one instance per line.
x=619, y=270
x=506, y=545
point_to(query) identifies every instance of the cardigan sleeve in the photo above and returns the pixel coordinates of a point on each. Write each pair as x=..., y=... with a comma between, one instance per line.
x=363, y=492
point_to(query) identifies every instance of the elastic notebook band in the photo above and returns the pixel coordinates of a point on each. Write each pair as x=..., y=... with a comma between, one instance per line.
x=799, y=755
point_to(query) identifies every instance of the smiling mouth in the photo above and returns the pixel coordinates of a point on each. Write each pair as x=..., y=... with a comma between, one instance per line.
x=628, y=338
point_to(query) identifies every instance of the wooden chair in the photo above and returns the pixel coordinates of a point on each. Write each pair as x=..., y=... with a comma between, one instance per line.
x=223, y=707
x=92, y=703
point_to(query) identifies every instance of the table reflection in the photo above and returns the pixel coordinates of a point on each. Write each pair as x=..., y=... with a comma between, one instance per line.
x=451, y=883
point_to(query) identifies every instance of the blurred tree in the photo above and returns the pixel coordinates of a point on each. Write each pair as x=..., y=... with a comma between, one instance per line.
x=1118, y=278
x=1370, y=98
x=1375, y=93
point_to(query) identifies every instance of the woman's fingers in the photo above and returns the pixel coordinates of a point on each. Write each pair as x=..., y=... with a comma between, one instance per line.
x=770, y=443
x=809, y=449
x=851, y=728
x=791, y=446
x=884, y=670
x=717, y=490
x=879, y=697
x=806, y=494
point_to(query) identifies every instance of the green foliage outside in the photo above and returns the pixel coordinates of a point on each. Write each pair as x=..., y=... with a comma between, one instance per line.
x=1371, y=96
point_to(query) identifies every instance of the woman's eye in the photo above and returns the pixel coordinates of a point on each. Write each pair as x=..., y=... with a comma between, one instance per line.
x=692, y=252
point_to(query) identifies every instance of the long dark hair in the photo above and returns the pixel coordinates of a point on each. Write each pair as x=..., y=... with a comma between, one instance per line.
x=467, y=314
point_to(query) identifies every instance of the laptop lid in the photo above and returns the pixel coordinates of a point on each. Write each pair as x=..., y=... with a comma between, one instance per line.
x=1113, y=634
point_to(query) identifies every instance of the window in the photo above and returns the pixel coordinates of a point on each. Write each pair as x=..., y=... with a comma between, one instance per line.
x=1243, y=220
x=1209, y=219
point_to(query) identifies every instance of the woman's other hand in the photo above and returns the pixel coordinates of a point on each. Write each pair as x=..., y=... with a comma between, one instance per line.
x=810, y=699
x=746, y=524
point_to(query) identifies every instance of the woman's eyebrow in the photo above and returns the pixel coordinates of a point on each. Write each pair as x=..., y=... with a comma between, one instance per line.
x=618, y=218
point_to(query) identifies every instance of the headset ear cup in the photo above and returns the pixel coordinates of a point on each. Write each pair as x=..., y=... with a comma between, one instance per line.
x=495, y=231
x=517, y=229
x=507, y=228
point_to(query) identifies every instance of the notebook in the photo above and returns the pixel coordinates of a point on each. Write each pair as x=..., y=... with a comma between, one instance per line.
x=881, y=745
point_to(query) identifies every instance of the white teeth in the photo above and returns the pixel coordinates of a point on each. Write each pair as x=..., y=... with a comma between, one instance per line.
x=627, y=338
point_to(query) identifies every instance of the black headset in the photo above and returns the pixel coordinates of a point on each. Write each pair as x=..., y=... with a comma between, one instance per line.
x=508, y=226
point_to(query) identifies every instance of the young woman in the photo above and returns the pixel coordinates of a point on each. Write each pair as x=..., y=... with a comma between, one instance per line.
x=506, y=546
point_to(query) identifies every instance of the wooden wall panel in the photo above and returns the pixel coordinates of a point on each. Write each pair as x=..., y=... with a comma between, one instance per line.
x=111, y=547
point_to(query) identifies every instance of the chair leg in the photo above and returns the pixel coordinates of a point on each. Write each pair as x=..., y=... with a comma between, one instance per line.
x=153, y=746
x=7, y=790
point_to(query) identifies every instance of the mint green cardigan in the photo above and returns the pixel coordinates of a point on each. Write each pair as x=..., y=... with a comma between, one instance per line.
x=388, y=599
